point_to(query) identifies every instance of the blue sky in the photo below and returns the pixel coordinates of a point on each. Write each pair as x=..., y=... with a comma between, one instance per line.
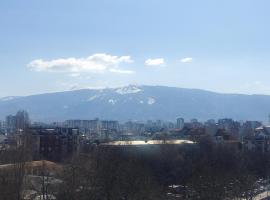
x=51, y=45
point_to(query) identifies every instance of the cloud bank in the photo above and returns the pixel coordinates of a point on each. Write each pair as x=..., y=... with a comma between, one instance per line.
x=95, y=63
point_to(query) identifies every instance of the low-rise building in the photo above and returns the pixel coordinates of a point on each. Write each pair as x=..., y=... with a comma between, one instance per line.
x=260, y=141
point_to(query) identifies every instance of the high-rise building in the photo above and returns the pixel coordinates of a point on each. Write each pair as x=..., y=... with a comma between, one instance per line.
x=134, y=127
x=180, y=122
x=231, y=126
x=89, y=127
x=110, y=125
x=54, y=144
x=17, y=123
x=22, y=120
x=10, y=124
x=211, y=127
x=1, y=127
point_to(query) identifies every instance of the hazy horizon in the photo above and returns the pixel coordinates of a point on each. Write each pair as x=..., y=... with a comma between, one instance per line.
x=123, y=86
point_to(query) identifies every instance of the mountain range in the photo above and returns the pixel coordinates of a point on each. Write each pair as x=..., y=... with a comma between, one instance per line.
x=138, y=103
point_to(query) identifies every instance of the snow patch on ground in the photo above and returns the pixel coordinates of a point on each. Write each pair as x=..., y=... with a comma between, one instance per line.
x=93, y=97
x=112, y=101
x=141, y=102
x=151, y=100
x=8, y=98
x=128, y=90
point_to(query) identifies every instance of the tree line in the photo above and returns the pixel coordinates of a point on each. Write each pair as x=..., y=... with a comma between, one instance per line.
x=205, y=170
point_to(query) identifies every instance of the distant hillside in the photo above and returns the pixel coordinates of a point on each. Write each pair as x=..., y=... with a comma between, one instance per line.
x=139, y=103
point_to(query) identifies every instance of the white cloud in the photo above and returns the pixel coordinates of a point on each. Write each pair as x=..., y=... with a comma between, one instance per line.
x=155, y=62
x=186, y=60
x=93, y=64
x=122, y=71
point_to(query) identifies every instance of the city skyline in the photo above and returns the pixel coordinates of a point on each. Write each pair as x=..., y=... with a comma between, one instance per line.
x=221, y=47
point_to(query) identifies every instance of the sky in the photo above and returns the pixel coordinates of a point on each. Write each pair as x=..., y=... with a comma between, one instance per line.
x=48, y=46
